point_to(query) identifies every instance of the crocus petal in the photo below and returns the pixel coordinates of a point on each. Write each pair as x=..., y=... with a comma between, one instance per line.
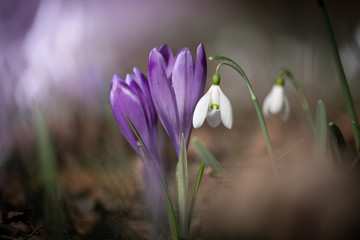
x=129, y=79
x=198, y=85
x=168, y=56
x=124, y=101
x=201, y=109
x=135, y=85
x=226, y=111
x=174, y=89
x=182, y=81
x=286, y=109
x=142, y=82
x=277, y=99
x=145, y=89
x=163, y=96
x=213, y=117
x=137, y=91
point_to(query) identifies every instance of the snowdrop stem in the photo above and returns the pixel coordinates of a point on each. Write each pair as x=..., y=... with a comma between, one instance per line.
x=218, y=66
x=236, y=67
x=300, y=89
x=343, y=81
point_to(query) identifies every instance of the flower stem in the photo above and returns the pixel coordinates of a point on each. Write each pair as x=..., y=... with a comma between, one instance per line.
x=343, y=81
x=300, y=89
x=147, y=159
x=236, y=67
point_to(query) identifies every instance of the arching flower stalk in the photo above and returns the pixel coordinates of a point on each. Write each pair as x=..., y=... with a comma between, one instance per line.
x=229, y=62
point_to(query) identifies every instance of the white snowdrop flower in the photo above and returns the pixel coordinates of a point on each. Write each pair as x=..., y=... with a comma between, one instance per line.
x=277, y=101
x=214, y=106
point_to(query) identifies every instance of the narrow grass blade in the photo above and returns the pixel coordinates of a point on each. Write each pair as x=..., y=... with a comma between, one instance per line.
x=343, y=82
x=356, y=125
x=196, y=189
x=47, y=166
x=207, y=158
x=169, y=204
x=320, y=129
x=182, y=183
x=140, y=141
x=338, y=144
x=46, y=151
x=300, y=90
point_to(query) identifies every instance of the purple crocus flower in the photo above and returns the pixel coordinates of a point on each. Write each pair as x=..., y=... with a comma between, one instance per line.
x=176, y=85
x=131, y=98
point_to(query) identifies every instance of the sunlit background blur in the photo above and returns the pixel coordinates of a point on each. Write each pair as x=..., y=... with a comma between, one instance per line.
x=57, y=59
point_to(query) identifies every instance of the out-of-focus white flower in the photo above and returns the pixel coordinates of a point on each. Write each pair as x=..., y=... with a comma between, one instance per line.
x=277, y=101
x=214, y=106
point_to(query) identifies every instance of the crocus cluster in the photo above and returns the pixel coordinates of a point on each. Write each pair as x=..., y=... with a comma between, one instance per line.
x=171, y=93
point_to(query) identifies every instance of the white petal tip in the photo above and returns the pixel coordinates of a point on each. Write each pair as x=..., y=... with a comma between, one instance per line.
x=266, y=113
x=228, y=125
x=227, y=116
x=197, y=124
x=201, y=110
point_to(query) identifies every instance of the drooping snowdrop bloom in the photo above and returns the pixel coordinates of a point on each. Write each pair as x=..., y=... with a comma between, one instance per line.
x=176, y=85
x=277, y=101
x=131, y=97
x=214, y=106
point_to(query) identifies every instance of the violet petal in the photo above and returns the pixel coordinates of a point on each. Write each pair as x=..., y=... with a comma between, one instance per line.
x=125, y=102
x=163, y=95
x=168, y=57
x=183, y=81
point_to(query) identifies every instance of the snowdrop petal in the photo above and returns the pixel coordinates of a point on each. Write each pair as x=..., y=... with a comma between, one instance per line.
x=286, y=109
x=266, y=105
x=227, y=116
x=201, y=109
x=275, y=102
x=213, y=117
x=277, y=99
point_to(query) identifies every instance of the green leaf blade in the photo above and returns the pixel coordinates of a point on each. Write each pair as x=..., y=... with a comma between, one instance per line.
x=320, y=129
x=196, y=189
x=338, y=144
x=208, y=158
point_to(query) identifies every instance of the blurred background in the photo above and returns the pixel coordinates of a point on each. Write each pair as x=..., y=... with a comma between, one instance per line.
x=67, y=172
